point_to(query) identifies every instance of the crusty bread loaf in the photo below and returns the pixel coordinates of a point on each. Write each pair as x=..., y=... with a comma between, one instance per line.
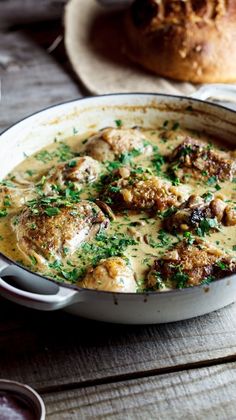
x=189, y=40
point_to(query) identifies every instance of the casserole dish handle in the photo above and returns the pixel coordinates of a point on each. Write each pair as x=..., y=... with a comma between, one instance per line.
x=220, y=92
x=62, y=297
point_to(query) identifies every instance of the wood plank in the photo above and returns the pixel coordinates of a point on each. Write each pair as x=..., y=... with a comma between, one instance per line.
x=56, y=349
x=207, y=393
x=30, y=78
x=19, y=12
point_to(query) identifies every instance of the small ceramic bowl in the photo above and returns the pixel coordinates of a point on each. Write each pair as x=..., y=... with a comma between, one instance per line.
x=20, y=401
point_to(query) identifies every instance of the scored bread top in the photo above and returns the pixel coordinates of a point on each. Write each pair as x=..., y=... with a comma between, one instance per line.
x=190, y=40
x=161, y=12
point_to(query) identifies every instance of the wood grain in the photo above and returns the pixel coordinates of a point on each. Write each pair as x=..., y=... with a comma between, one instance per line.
x=207, y=393
x=30, y=78
x=56, y=349
x=19, y=12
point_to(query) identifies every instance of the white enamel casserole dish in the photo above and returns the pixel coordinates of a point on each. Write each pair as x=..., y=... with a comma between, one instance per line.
x=39, y=130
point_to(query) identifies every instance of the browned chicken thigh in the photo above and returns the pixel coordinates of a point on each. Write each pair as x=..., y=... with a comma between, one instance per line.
x=13, y=197
x=109, y=143
x=199, y=160
x=190, y=264
x=112, y=274
x=78, y=171
x=131, y=190
x=53, y=232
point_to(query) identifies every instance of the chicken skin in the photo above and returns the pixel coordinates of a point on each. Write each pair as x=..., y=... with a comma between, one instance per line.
x=112, y=274
x=78, y=172
x=200, y=161
x=196, y=212
x=109, y=143
x=13, y=197
x=131, y=190
x=55, y=230
x=190, y=264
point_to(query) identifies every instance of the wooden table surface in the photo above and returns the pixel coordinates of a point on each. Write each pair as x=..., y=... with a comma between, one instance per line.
x=84, y=369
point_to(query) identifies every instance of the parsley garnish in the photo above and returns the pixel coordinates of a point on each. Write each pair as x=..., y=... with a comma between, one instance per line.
x=180, y=278
x=208, y=196
x=33, y=259
x=62, y=153
x=222, y=265
x=118, y=123
x=157, y=161
x=3, y=213
x=212, y=180
x=189, y=237
x=175, y=126
x=206, y=225
x=52, y=211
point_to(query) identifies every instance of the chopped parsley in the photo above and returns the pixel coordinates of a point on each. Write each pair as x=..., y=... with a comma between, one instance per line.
x=207, y=280
x=44, y=156
x=208, y=196
x=52, y=211
x=175, y=126
x=67, y=271
x=167, y=213
x=126, y=157
x=173, y=178
x=212, y=180
x=180, y=278
x=104, y=246
x=189, y=238
x=33, y=259
x=164, y=238
x=206, y=225
x=118, y=123
x=7, y=201
x=62, y=154
x=30, y=172
x=3, y=213
x=71, y=164
x=217, y=187
x=157, y=162
x=222, y=265
x=159, y=282
x=113, y=189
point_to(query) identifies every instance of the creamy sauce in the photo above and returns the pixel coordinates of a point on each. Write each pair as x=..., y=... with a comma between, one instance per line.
x=136, y=235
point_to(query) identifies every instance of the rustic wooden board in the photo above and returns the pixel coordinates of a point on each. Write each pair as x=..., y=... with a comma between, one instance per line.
x=207, y=393
x=30, y=78
x=19, y=12
x=56, y=349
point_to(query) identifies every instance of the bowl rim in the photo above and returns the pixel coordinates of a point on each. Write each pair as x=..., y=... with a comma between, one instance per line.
x=26, y=391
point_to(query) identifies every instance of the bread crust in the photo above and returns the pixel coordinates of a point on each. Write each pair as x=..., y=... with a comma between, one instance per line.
x=192, y=40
